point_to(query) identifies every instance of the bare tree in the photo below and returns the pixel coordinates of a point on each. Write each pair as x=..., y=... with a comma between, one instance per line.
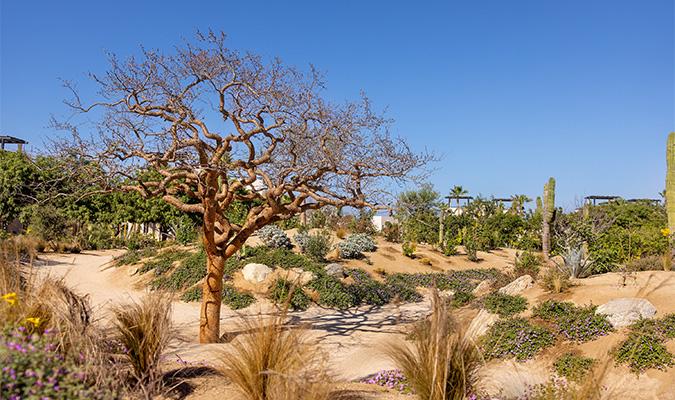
x=217, y=126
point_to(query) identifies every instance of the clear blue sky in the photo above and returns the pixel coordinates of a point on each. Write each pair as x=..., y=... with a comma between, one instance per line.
x=508, y=92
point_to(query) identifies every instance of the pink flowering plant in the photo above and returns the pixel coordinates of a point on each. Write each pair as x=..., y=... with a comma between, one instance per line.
x=391, y=379
x=32, y=368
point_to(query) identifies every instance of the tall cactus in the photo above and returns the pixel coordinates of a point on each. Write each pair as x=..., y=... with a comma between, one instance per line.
x=547, y=216
x=670, y=181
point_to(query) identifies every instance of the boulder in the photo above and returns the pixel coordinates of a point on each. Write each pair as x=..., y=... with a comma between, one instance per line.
x=483, y=288
x=335, y=270
x=481, y=323
x=518, y=286
x=626, y=310
x=256, y=273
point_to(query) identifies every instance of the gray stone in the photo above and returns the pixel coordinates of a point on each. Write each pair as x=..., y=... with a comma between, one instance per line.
x=518, y=286
x=256, y=273
x=335, y=270
x=626, y=310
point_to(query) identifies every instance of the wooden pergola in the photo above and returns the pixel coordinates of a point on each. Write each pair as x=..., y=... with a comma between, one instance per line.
x=595, y=198
x=466, y=198
x=12, y=140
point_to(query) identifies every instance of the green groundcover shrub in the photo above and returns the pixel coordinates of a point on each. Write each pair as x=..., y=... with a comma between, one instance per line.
x=578, y=324
x=573, y=367
x=505, y=305
x=515, y=338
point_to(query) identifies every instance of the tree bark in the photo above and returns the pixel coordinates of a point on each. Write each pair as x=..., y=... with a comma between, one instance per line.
x=212, y=292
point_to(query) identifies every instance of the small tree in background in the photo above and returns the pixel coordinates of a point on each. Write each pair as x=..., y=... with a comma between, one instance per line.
x=218, y=127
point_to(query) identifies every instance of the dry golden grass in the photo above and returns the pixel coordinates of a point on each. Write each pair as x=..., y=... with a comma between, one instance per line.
x=275, y=362
x=145, y=330
x=442, y=361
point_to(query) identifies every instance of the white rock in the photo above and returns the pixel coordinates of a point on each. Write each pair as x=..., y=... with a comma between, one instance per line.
x=300, y=276
x=335, y=270
x=483, y=287
x=518, y=286
x=481, y=323
x=624, y=311
x=256, y=273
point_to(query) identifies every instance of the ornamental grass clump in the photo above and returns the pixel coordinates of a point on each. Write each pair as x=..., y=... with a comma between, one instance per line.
x=144, y=330
x=442, y=361
x=578, y=324
x=272, y=361
x=515, y=338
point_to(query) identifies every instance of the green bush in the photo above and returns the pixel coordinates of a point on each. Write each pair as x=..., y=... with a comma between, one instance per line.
x=281, y=293
x=163, y=261
x=354, y=245
x=132, y=257
x=527, y=263
x=409, y=249
x=573, y=367
x=315, y=246
x=100, y=236
x=579, y=324
x=461, y=298
x=332, y=292
x=505, y=305
x=190, y=271
x=642, y=352
x=391, y=232
x=235, y=299
x=193, y=294
x=515, y=338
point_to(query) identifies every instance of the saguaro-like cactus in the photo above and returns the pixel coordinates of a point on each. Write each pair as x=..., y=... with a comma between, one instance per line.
x=670, y=181
x=548, y=213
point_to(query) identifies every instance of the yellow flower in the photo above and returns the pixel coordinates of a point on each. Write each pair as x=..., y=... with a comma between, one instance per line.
x=10, y=298
x=665, y=232
x=34, y=320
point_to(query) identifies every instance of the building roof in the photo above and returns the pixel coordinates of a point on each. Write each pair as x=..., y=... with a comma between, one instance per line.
x=11, y=140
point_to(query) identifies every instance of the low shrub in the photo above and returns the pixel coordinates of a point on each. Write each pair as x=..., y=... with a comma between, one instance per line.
x=465, y=280
x=132, y=257
x=408, y=249
x=366, y=290
x=647, y=263
x=193, y=294
x=281, y=294
x=315, y=246
x=425, y=261
x=274, y=237
x=642, y=352
x=191, y=270
x=503, y=304
x=163, y=261
x=391, y=232
x=461, y=298
x=332, y=292
x=515, y=338
x=356, y=244
x=573, y=367
x=231, y=296
x=471, y=249
x=527, y=263
x=579, y=324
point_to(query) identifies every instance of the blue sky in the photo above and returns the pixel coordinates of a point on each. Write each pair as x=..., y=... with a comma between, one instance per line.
x=507, y=92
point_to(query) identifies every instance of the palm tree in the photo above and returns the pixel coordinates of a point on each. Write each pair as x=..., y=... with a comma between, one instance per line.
x=456, y=192
x=518, y=203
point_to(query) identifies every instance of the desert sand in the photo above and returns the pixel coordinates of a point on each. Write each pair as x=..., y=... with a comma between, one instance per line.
x=353, y=339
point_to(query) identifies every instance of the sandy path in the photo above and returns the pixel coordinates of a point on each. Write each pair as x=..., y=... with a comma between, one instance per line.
x=352, y=339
